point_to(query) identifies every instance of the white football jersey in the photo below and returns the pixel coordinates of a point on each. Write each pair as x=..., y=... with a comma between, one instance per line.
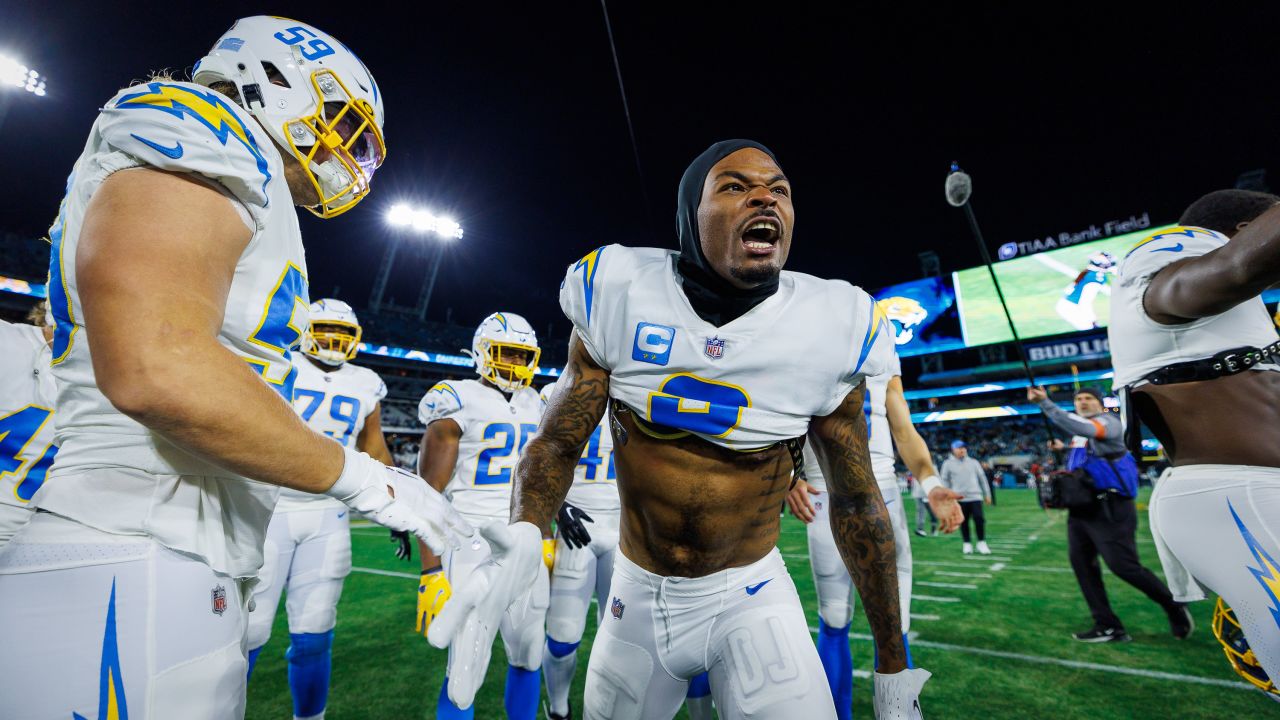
x=26, y=413
x=333, y=403
x=879, y=435
x=495, y=430
x=595, y=481
x=112, y=473
x=749, y=384
x=1140, y=345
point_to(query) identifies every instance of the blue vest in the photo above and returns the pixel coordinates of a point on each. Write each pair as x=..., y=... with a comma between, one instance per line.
x=1119, y=476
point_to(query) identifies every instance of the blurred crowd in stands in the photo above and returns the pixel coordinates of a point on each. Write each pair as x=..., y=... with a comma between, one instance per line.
x=989, y=437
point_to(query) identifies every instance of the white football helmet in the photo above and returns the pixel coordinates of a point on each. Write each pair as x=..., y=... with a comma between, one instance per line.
x=333, y=337
x=312, y=95
x=1102, y=261
x=506, y=331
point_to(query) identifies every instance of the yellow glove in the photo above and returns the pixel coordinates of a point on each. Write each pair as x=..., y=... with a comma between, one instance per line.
x=549, y=552
x=433, y=592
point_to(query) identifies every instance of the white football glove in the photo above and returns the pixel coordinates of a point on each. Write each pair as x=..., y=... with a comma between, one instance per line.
x=898, y=695
x=367, y=486
x=470, y=619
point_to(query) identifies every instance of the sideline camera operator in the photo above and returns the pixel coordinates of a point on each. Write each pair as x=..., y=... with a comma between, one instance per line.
x=1108, y=524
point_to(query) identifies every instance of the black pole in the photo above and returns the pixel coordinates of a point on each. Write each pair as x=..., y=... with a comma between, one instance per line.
x=986, y=259
x=1022, y=353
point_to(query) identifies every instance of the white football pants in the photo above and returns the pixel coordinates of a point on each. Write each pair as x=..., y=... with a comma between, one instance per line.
x=106, y=625
x=836, y=594
x=309, y=552
x=743, y=625
x=577, y=575
x=1223, y=523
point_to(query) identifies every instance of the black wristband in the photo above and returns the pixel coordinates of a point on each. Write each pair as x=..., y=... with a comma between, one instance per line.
x=432, y=571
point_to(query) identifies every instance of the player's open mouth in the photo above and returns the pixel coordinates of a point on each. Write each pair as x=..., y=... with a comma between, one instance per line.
x=762, y=234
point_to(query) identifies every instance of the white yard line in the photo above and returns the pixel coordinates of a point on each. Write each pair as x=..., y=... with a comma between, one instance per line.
x=961, y=574
x=925, y=616
x=1075, y=664
x=388, y=573
x=987, y=558
x=957, y=586
x=935, y=598
x=942, y=563
x=997, y=567
x=1039, y=568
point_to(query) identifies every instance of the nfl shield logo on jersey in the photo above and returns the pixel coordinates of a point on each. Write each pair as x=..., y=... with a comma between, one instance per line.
x=617, y=608
x=219, y=594
x=715, y=348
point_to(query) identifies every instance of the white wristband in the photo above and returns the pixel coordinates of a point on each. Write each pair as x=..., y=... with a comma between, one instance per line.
x=355, y=474
x=928, y=484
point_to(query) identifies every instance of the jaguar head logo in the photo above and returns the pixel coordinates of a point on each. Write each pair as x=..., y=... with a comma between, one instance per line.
x=905, y=313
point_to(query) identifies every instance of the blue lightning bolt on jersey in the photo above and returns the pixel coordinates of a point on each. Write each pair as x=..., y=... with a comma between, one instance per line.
x=113, y=473
x=1140, y=345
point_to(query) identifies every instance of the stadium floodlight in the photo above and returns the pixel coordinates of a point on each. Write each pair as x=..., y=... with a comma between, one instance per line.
x=407, y=217
x=421, y=221
x=15, y=74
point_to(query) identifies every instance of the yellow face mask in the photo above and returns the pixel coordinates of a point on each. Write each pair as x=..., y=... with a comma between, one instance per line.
x=1229, y=633
x=349, y=146
x=509, y=376
x=332, y=341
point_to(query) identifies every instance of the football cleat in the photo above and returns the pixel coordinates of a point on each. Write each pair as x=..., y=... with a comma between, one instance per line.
x=333, y=337
x=314, y=98
x=1098, y=634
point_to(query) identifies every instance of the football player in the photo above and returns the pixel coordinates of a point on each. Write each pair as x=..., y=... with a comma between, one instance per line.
x=476, y=431
x=1076, y=304
x=888, y=423
x=26, y=417
x=308, y=548
x=179, y=290
x=714, y=364
x=1195, y=353
x=586, y=540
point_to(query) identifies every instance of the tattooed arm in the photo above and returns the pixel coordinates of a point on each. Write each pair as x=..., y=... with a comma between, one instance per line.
x=545, y=470
x=860, y=522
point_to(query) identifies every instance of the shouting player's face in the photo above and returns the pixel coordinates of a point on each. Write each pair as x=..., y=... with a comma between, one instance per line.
x=745, y=218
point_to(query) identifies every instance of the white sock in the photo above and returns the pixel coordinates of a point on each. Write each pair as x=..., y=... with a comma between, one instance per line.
x=557, y=672
x=699, y=708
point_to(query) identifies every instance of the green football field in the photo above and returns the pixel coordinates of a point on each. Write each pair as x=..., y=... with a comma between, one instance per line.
x=995, y=632
x=1032, y=286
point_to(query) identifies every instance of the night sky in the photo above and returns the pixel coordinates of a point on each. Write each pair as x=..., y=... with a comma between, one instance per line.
x=508, y=117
